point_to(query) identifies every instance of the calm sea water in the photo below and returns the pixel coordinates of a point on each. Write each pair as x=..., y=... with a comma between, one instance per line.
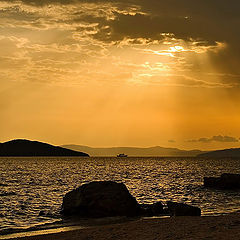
x=31, y=185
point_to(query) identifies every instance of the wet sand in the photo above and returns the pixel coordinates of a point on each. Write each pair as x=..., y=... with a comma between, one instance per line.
x=212, y=227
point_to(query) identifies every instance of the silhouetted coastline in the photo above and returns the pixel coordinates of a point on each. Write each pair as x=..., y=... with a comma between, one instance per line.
x=155, y=151
x=224, y=153
x=27, y=148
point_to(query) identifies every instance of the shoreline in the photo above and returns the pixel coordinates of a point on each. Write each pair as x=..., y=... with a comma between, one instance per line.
x=205, y=227
x=66, y=224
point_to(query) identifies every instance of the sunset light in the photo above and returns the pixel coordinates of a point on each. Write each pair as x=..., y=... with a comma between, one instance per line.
x=119, y=119
x=94, y=69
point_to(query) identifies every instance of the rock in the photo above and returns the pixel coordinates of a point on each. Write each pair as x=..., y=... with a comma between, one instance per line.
x=157, y=208
x=182, y=209
x=150, y=210
x=230, y=180
x=225, y=181
x=211, y=182
x=100, y=199
x=41, y=213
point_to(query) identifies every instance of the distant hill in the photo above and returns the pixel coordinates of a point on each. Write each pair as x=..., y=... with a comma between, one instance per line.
x=21, y=147
x=225, y=153
x=134, y=151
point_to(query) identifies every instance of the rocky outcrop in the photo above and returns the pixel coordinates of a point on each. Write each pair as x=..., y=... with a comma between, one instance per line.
x=100, y=199
x=109, y=199
x=225, y=181
x=181, y=209
x=211, y=182
x=154, y=209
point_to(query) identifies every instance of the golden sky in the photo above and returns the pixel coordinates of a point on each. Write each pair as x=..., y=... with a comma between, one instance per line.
x=121, y=73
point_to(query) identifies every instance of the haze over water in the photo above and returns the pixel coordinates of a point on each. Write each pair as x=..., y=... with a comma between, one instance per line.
x=30, y=185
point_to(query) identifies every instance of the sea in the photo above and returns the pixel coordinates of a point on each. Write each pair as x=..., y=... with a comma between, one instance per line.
x=32, y=188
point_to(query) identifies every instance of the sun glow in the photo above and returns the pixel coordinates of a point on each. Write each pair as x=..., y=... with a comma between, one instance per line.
x=176, y=49
x=94, y=69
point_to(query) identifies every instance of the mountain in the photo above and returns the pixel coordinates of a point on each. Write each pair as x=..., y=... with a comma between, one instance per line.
x=22, y=147
x=135, y=151
x=225, y=153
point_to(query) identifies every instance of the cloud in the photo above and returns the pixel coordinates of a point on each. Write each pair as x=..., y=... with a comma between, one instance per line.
x=47, y=2
x=219, y=138
x=171, y=141
x=211, y=21
x=183, y=18
x=68, y=30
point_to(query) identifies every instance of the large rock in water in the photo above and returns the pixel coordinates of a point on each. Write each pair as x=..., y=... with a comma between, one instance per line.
x=225, y=181
x=182, y=209
x=100, y=199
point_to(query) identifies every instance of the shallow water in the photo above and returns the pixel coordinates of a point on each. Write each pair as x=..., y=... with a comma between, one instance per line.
x=31, y=185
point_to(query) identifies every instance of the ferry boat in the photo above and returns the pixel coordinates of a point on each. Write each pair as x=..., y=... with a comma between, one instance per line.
x=122, y=155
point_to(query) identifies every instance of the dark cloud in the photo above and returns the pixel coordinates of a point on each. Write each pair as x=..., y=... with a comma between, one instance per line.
x=47, y=2
x=144, y=26
x=218, y=138
x=171, y=141
x=208, y=21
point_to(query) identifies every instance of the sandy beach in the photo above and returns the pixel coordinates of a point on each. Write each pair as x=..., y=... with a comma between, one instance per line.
x=209, y=227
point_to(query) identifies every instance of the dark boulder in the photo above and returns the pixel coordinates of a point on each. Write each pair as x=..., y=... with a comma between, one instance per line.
x=150, y=210
x=157, y=208
x=100, y=199
x=41, y=213
x=182, y=209
x=211, y=182
x=225, y=181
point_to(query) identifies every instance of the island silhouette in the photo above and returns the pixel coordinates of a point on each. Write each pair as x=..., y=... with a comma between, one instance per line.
x=224, y=153
x=24, y=148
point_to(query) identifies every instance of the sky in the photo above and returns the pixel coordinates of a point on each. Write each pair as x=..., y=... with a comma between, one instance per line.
x=121, y=73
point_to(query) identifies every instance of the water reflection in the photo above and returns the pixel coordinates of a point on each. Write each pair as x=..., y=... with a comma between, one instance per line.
x=29, y=186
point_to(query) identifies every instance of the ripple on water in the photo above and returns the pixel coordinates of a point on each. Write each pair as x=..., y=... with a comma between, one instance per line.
x=29, y=186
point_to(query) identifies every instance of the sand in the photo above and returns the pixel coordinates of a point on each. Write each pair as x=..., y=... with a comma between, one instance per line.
x=211, y=227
